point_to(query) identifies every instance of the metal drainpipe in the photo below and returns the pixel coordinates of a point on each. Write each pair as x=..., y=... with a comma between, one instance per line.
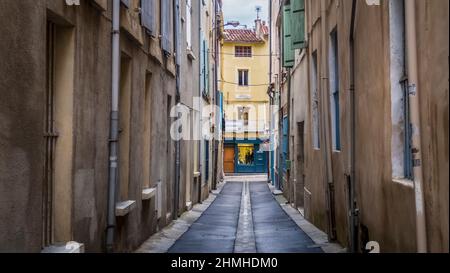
x=280, y=122
x=288, y=104
x=200, y=100
x=216, y=88
x=353, y=231
x=269, y=178
x=114, y=127
x=326, y=149
x=413, y=89
x=176, y=4
x=278, y=101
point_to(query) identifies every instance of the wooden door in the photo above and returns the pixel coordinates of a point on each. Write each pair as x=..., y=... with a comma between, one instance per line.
x=229, y=159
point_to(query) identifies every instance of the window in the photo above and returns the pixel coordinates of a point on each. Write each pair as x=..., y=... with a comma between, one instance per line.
x=285, y=143
x=243, y=115
x=315, y=103
x=243, y=51
x=334, y=91
x=243, y=77
x=59, y=135
x=204, y=62
x=207, y=149
x=246, y=154
x=401, y=126
x=124, y=126
x=189, y=23
x=147, y=136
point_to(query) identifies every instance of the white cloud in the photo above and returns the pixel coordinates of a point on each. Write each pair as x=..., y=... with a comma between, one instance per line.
x=244, y=11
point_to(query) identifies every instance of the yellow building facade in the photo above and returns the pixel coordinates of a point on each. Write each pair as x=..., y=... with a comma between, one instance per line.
x=244, y=80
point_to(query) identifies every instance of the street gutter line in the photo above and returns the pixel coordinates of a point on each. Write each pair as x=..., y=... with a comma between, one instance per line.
x=245, y=235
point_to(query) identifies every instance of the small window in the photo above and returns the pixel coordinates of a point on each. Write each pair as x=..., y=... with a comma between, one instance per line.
x=244, y=114
x=243, y=51
x=243, y=77
x=401, y=139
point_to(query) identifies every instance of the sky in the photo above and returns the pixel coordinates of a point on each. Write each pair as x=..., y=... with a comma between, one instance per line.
x=244, y=11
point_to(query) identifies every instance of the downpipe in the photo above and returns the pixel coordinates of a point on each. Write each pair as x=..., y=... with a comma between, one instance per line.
x=200, y=106
x=414, y=90
x=216, y=92
x=329, y=188
x=114, y=128
x=351, y=179
x=177, y=103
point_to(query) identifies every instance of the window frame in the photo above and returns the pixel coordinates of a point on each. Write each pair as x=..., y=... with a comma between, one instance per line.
x=244, y=81
x=243, y=52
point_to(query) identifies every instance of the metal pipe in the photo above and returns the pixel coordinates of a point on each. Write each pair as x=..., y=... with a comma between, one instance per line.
x=176, y=19
x=200, y=100
x=290, y=119
x=327, y=147
x=114, y=127
x=270, y=169
x=353, y=232
x=413, y=90
x=216, y=89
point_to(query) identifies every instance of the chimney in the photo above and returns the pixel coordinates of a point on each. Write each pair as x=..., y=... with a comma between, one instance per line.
x=259, y=28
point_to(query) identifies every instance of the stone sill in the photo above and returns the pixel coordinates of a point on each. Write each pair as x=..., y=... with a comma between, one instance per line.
x=67, y=248
x=125, y=207
x=148, y=194
x=404, y=182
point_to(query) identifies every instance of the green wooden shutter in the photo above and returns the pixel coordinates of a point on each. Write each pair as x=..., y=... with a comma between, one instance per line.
x=298, y=23
x=288, y=52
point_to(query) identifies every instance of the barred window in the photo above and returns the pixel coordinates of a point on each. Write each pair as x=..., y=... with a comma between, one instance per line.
x=243, y=51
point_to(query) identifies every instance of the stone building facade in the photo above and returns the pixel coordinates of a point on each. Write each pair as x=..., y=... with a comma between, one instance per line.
x=350, y=165
x=55, y=120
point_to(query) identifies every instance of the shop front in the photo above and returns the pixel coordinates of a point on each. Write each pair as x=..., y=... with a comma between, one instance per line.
x=245, y=156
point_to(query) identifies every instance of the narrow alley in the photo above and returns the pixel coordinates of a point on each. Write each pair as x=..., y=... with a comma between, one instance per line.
x=224, y=126
x=244, y=217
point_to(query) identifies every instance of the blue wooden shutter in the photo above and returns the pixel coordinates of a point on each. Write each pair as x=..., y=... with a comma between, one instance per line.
x=148, y=15
x=288, y=52
x=166, y=42
x=202, y=65
x=298, y=24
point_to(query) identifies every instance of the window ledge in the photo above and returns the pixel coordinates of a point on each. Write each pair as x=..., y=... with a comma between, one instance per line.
x=67, y=248
x=191, y=54
x=125, y=207
x=148, y=194
x=197, y=174
x=404, y=182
